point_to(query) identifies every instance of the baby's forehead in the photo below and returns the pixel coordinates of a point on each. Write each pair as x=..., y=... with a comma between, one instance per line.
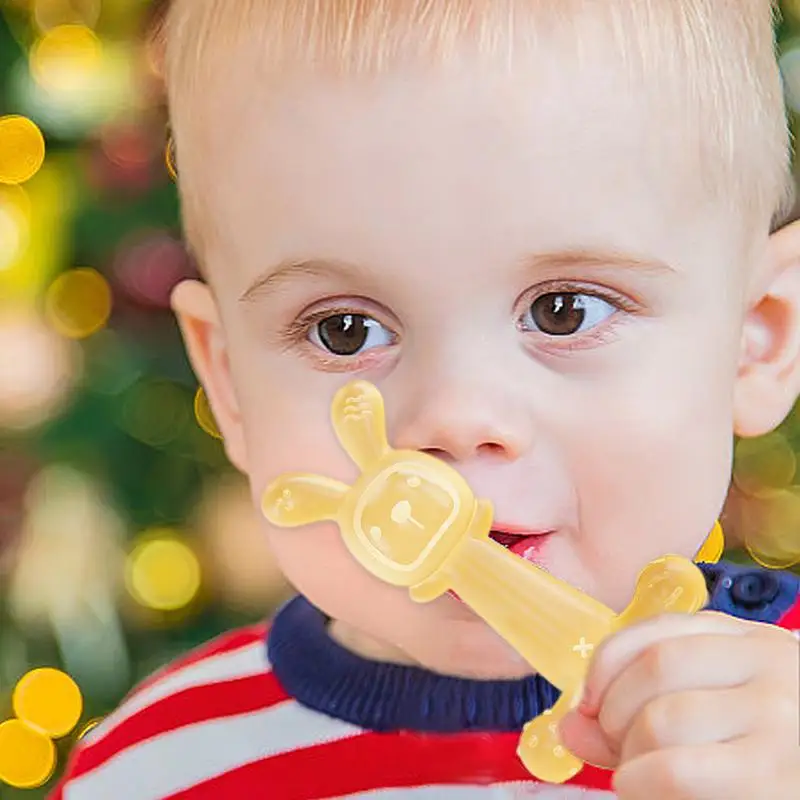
x=710, y=72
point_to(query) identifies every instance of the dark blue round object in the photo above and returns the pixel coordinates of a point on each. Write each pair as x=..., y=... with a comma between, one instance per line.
x=754, y=589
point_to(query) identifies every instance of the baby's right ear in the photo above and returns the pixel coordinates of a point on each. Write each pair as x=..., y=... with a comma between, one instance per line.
x=299, y=499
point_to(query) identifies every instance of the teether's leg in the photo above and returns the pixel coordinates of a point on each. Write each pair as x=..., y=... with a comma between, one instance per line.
x=540, y=748
x=667, y=585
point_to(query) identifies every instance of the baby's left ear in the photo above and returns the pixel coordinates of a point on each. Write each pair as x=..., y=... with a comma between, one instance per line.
x=768, y=383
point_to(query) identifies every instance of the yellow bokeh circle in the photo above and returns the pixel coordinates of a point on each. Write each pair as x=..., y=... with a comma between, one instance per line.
x=764, y=464
x=88, y=727
x=27, y=757
x=170, y=158
x=774, y=541
x=65, y=57
x=163, y=573
x=78, y=303
x=22, y=149
x=204, y=414
x=14, y=225
x=50, y=14
x=49, y=701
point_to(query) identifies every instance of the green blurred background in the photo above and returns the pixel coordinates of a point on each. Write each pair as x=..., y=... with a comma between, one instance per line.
x=125, y=537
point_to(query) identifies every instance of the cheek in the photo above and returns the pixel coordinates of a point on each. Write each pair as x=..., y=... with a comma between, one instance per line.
x=651, y=478
x=285, y=436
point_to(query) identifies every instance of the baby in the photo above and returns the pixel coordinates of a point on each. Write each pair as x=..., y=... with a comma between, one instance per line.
x=550, y=231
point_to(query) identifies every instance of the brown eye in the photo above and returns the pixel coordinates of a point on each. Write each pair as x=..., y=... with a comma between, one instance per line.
x=567, y=313
x=349, y=334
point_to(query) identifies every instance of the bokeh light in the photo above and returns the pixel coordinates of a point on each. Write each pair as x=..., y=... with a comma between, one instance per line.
x=49, y=14
x=15, y=210
x=27, y=757
x=38, y=370
x=764, y=465
x=78, y=303
x=149, y=268
x=163, y=572
x=772, y=536
x=204, y=415
x=790, y=70
x=47, y=704
x=66, y=58
x=49, y=701
x=155, y=412
x=88, y=728
x=22, y=149
x=171, y=158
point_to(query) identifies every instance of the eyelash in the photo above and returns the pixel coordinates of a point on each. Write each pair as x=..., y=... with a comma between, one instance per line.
x=296, y=335
x=620, y=301
x=600, y=334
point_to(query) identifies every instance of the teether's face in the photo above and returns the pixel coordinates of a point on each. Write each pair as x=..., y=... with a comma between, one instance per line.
x=540, y=302
x=405, y=515
x=406, y=511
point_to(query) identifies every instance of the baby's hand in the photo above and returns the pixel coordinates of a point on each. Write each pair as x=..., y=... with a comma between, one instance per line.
x=702, y=707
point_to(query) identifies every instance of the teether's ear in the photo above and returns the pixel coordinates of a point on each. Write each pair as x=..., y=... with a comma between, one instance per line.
x=360, y=423
x=300, y=499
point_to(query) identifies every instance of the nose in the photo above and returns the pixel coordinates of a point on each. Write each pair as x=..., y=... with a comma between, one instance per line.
x=460, y=421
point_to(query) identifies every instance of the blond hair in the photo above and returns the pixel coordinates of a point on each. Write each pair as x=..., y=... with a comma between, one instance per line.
x=713, y=60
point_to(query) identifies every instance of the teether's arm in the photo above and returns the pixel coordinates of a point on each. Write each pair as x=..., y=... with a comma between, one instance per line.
x=668, y=585
x=297, y=499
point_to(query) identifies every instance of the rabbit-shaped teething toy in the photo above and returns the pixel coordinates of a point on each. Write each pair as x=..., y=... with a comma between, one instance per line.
x=412, y=521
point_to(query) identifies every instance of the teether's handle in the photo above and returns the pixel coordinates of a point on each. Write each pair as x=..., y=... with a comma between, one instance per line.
x=540, y=748
x=552, y=625
x=671, y=584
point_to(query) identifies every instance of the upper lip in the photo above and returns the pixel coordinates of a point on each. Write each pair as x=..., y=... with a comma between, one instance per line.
x=519, y=530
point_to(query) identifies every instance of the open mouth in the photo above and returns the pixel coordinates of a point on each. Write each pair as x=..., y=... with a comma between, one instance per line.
x=522, y=543
x=526, y=544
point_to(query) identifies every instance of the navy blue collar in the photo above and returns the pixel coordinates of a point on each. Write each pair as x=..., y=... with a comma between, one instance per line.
x=324, y=676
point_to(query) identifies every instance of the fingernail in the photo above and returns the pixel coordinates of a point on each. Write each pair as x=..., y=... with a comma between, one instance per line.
x=586, y=703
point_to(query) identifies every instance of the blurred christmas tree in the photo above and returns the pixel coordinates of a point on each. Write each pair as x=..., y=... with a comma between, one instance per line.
x=125, y=538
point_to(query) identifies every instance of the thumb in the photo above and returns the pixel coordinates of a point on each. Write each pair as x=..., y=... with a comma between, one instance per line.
x=584, y=738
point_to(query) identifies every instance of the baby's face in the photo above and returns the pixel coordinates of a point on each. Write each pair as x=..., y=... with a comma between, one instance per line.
x=544, y=295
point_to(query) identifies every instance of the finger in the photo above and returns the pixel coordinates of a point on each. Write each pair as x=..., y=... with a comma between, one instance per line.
x=699, y=717
x=584, y=738
x=669, y=666
x=620, y=649
x=727, y=771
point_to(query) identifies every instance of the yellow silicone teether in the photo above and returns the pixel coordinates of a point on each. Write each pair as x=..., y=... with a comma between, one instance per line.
x=412, y=521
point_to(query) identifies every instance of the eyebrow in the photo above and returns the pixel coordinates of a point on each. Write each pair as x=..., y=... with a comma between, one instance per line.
x=595, y=259
x=288, y=271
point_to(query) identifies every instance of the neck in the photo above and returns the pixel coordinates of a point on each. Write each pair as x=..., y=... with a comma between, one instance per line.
x=361, y=644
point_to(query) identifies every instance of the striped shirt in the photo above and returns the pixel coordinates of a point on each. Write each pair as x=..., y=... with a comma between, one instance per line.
x=285, y=713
